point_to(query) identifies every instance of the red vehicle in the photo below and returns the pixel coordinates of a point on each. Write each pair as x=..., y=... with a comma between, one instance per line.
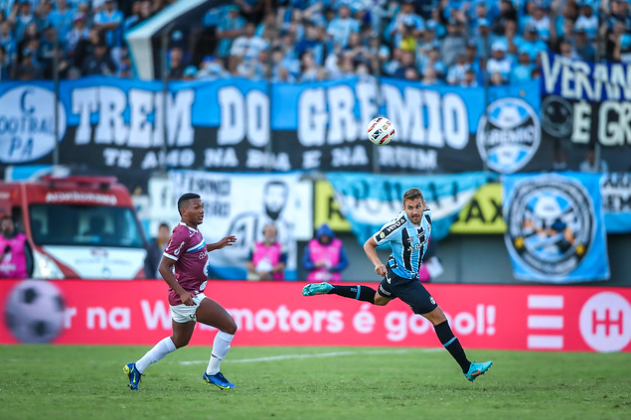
x=77, y=227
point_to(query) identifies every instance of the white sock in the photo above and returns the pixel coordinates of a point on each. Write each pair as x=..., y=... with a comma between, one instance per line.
x=221, y=345
x=160, y=350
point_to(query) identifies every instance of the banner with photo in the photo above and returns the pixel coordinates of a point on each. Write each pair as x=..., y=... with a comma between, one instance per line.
x=241, y=205
x=242, y=125
x=555, y=227
x=370, y=201
x=584, y=103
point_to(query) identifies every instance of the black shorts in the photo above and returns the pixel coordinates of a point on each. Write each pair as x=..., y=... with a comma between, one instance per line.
x=409, y=291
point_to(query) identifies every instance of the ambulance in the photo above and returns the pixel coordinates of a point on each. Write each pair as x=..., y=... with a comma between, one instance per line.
x=77, y=227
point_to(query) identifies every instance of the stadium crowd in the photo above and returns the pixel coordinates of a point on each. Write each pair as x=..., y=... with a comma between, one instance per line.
x=456, y=42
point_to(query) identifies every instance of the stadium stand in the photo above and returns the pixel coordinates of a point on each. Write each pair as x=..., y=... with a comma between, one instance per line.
x=456, y=42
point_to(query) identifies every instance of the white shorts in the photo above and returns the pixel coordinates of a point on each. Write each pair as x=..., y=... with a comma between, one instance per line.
x=182, y=313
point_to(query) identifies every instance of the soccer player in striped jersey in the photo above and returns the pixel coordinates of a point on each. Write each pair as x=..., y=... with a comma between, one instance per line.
x=183, y=267
x=407, y=236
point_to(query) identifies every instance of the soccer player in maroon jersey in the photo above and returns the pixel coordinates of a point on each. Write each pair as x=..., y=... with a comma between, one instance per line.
x=183, y=267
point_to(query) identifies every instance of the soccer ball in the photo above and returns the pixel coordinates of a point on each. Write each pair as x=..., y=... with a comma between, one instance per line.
x=34, y=312
x=380, y=131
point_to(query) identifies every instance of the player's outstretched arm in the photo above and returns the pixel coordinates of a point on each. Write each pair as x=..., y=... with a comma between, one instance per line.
x=224, y=242
x=370, y=248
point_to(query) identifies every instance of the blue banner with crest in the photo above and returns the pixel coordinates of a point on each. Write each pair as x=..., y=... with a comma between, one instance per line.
x=555, y=227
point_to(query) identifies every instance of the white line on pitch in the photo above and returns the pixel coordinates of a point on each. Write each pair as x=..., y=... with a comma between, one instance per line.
x=310, y=356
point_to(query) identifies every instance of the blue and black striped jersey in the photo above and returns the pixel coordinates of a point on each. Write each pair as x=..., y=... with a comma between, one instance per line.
x=408, y=243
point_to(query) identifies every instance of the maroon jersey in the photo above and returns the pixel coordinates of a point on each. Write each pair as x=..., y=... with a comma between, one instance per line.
x=188, y=248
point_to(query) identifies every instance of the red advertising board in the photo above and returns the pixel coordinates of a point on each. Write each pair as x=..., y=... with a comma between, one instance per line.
x=482, y=316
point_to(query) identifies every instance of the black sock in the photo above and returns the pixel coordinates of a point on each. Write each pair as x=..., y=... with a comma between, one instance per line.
x=363, y=293
x=451, y=343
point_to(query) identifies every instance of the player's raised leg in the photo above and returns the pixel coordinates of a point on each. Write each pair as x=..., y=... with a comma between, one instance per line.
x=213, y=314
x=363, y=293
x=452, y=344
x=182, y=333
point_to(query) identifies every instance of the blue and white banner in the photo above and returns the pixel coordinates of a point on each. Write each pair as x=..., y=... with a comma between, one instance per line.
x=615, y=189
x=120, y=124
x=584, y=80
x=437, y=128
x=370, y=201
x=241, y=205
x=585, y=103
x=238, y=124
x=555, y=227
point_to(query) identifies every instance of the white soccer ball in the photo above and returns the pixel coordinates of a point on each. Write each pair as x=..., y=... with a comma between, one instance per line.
x=35, y=311
x=380, y=131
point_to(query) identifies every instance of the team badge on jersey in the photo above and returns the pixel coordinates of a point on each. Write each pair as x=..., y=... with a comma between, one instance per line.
x=550, y=224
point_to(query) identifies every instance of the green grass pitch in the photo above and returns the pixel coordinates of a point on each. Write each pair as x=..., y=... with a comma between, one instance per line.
x=87, y=382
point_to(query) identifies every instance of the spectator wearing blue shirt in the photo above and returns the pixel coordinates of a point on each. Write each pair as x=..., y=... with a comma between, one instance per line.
x=498, y=63
x=510, y=39
x=342, y=26
x=434, y=62
x=522, y=71
x=110, y=20
x=566, y=49
x=587, y=20
x=531, y=42
x=469, y=79
x=455, y=74
x=7, y=41
x=482, y=37
x=583, y=46
x=481, y=15
x=62, y=18
x=230, y=27
x=22, y=18
x=540, y=21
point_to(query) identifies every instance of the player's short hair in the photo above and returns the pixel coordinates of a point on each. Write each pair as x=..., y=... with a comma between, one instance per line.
x=413, y=194
x=182, y=202
x=163, y=225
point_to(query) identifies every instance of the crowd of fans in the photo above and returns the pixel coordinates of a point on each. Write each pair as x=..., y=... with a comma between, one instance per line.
x=456, y=42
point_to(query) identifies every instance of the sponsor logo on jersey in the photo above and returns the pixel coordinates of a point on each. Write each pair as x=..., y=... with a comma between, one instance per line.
x=550, y=224
x=508, y=135
x=389, y=229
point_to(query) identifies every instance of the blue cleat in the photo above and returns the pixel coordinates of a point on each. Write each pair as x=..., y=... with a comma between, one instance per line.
x=316, y=289
x=133, y=375
x=476, y=369
x=219, y=380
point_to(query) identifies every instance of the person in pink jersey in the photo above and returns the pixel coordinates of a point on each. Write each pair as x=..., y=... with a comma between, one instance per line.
x=13, y=250
x=324, y=256
x=268, y=258
x=184, y=268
